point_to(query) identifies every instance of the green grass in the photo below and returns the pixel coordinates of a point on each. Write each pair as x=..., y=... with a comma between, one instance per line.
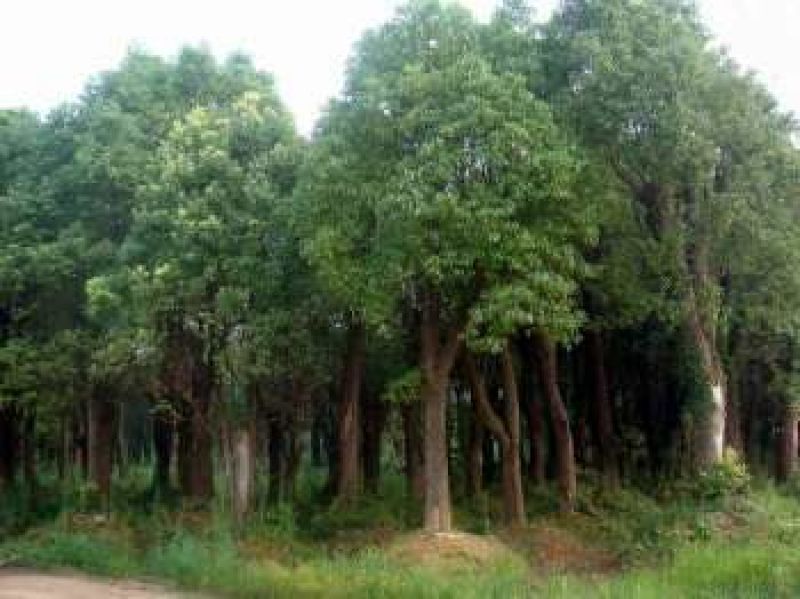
x=677, y=548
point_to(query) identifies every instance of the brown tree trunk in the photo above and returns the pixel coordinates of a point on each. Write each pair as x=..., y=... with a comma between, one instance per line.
x=275, y=451
x=512, y=468
x=163, y=433
x=538, y=445
x=101, y=442
x=546, y=362
x=603, y=411
x=475, y=453
x=29, y=465
x=507, y=432
x=348, y=418
x=436, y=363
x=412, y=432
x=787, y=443
x=202, y=469
x=9, y=440
x=374, y=421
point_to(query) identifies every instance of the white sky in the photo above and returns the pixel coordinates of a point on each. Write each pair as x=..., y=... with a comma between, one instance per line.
x=49, y=48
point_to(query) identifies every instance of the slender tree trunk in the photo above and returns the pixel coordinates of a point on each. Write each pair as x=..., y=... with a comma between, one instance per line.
x=787, y=443
x=348, y=417
x=163, y=433
x=475, y=453
x=29, y=464
x=512, y=468
x=505, y=430
x=412, y=432
x=603, y=411
x=538, y=443
x=546, y=363
x=9, y=440
x=243, y=471
x=275, y=450
x=101, y=443
x=375, y=412
x=202, y=482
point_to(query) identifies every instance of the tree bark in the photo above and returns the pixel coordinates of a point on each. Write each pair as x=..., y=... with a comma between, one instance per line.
x=787, y=443
x=163, y=434
x=243, y=471
x=101, y=442
x=373, y=424
x=348, y=417
x=436, y=363
x=9, y=440
x=275, y=451
x=507, y=432
x=546, y=363
x=412, y=432
x=512, y=467
x=710, y=431
x=603, y=411
x=475, y=453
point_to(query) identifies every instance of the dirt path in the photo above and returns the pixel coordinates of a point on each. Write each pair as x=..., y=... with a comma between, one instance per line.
x=18, y=584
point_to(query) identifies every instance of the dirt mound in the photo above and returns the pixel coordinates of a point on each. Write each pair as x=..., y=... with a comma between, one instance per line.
x=450, y=551
x=557, y=550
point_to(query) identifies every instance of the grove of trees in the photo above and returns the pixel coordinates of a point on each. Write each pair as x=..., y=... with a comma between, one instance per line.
x=512, y=254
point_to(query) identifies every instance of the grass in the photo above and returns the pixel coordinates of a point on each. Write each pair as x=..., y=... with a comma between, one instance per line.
x=623, y=544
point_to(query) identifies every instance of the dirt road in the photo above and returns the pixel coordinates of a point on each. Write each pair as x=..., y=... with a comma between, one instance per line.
x=19, y=584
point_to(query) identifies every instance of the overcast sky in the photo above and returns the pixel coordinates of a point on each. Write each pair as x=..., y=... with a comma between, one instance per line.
x=49, y=48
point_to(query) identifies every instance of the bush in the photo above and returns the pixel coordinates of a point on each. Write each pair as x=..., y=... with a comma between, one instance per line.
x=728, y=477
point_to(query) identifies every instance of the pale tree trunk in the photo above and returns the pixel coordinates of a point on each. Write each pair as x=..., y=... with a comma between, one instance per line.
x=242, y=446
x=436, y=363
x=348, y=416
x=709, y=440
x=547, y=365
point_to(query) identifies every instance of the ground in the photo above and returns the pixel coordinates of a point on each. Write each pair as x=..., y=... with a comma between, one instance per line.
x=22, y=584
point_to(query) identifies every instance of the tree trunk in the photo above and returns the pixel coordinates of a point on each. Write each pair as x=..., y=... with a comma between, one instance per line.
x=202, y=473
x=436, y=363
x=512, y=468
x=546, y=363
x=275, y=451
x=507, y=432
x=101, y=443
x=29, y=466
x=9, y=440
x=348, y=420
x=374, y=421
x=475, y=453
x=437, y=487
x=710, y=429
x=412, y=432
x=163, y=433
x=243, y=472
x=603, y=411
x=538, y=444
x=787, y=443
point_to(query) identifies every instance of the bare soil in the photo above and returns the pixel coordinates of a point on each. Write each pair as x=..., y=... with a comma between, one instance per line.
x=19, y=584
